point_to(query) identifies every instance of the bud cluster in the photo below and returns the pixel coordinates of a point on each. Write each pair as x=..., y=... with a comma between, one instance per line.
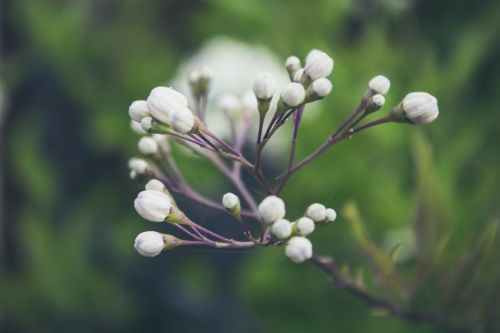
x=167, y=117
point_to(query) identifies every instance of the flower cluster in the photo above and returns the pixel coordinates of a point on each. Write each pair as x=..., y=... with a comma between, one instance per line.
x=168, y=117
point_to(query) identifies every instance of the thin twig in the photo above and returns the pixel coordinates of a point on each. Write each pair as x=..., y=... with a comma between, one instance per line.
x=291, y=158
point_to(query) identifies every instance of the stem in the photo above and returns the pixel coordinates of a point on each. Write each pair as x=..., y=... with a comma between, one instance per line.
x=334, y=138
x=222, y=142
x=261, y=124
x=327, y=265
x=291, y=158
x=235, y=245
x=210, y=233
x=186, y=231
x=207, y=141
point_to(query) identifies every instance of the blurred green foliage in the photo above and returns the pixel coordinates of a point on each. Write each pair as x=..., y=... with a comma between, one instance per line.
x=71, y=69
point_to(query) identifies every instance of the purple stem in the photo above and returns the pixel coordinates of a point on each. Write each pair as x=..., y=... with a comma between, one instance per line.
x=186, y=231
x=297, y=117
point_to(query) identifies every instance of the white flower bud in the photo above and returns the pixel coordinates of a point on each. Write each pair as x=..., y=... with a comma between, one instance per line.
x=182, y=120
x=298, y=75
x=378, y=100
x=147, y=145
x=281, y=229
x=299, y=249
x=230, y=201
x=322, y=87
x=379, y=84
x=230, y=104
x=138, y=165
x=318, y=65
x=206, y=73
x=163, y=101
x=271, y=209
x=138, y=110
x=420, y=108
x=264, y=86
x=304, y=226
x=194, y=77
x=149, y=243
x=331, y=215
x=154, y=185
x=147, y=124
x=292, y=64
x=293, y=94
x=137, y=127
x=153, y=206
x=317, y=212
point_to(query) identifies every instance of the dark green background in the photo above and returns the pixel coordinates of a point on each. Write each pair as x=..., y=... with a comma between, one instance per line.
x=71, y=68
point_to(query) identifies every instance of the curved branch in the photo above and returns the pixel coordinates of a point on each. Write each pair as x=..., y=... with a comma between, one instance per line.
x=327, y=265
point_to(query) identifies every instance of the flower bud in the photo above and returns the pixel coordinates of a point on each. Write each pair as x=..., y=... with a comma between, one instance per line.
x=153, y=206
x=163, y=101
x=417, y=108
x=331, y=215
x=155, y=185
x=264, y=86
x=137, y=127
x=182, y=120
x=292, y=65
x=379, y=84
x=271, y=209
x=281, y=229
x=293, y=94
x=199, y=80
x=318, y=65
x=138, y=165
x=151, y=243
x=316, y=211
x=304, y=226
x=321, y=88
x=138, y=110
x=147, y=145
x=231, y=202
x=299, y=249
x=375, y=103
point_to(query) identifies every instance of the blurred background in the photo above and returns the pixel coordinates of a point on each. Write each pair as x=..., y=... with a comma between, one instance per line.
x=70, y=69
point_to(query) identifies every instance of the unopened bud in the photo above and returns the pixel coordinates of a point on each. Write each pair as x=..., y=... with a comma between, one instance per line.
x=138, y=110
x=151, y=243
x=231, y=202
x=316, y=211
x=416, y=108
x=375, y=103
x=292, y=65
x=281, y=229
x=147, y=146
x=379, y=85
x=299, y=249
x=293, y=94
x=318, y=65
x=271, y=209
x=153, y=206
x=303, y=226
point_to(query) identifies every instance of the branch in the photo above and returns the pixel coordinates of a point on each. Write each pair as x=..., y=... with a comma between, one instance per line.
x=327, y=265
